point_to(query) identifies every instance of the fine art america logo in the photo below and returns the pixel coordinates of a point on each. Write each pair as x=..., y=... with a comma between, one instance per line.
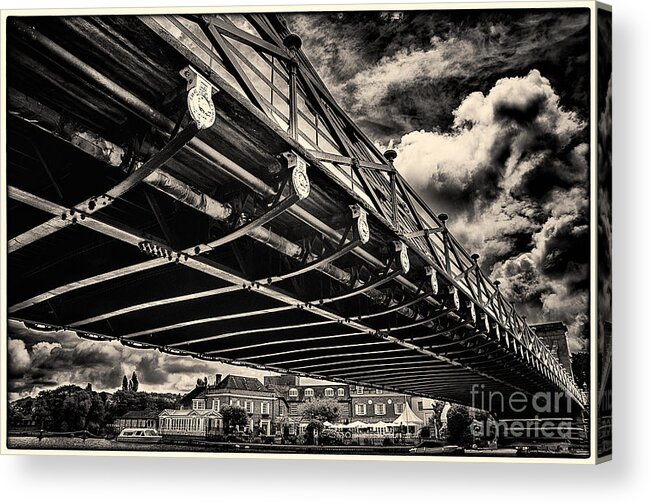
x=544, y=414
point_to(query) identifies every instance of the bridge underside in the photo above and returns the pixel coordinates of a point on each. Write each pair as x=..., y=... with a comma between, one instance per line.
x=170, y=263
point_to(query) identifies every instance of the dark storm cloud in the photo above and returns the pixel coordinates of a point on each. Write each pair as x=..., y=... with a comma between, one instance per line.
x=398, y=75
x=488, y=111
x=40, y=360
x=512, y=173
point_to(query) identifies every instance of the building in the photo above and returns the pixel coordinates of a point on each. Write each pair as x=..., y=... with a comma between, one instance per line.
x=185, y=402
x=371, y=405
x=554, y=335
x=243, y=391
x=292, y=395
x=190, y=423
x=141, y=418
x=424, y=408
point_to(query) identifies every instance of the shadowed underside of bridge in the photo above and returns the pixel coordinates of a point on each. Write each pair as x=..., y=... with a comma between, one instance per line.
x=267, y=231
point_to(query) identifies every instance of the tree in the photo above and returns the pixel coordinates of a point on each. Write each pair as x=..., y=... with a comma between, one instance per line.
x=134, y=382
x=63, y=409
x=234, y=417
x=321, y=410
x=459, y=421
x=125, y=383
x=435, y=419
x=128, y=400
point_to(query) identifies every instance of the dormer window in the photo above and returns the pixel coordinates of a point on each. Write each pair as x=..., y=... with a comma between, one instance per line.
x=293, y=392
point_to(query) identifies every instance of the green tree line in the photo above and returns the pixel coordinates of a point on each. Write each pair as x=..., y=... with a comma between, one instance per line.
x=72, y=408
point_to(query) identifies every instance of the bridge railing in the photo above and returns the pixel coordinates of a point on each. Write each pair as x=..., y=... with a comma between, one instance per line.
x=254, y=54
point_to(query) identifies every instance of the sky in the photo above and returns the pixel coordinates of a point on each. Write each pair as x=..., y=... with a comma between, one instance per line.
x=488, y=111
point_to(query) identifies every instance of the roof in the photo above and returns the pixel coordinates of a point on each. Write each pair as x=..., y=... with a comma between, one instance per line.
x=140, y=414
x=193, y=394
x=236, y=382
x=408, y=417
x=193, y=413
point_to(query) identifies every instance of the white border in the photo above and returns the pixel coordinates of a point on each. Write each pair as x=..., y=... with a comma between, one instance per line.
x=591, y=5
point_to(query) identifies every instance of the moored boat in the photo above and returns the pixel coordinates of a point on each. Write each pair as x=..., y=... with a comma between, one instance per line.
x=139, y=436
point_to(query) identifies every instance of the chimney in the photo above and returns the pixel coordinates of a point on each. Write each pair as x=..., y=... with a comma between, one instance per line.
x=218, y=378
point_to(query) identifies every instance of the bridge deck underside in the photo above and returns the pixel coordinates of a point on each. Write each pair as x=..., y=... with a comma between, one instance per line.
x=92, y=277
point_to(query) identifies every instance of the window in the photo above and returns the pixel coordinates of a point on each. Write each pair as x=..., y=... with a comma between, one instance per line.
x=198, y=404
x=420, y=405
x=216, y=404
x=344, y=409
x=293, y=392
x=360, y=409
x=309, y=392
x=329, y=392
x=380, y=409
x=378, y=390
x=359, y=390
x=264, y=408
x=293, y=409
x=399, y=407
x=248, y=406
x=341, y=392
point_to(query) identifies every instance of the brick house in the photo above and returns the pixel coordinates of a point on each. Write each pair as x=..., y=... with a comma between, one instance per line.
x=292, y=395
x=371, y=405
x=246, y=392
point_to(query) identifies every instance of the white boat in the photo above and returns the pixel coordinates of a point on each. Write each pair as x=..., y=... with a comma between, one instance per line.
x=139, y=436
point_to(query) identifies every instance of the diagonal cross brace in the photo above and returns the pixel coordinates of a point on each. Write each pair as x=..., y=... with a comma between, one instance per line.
x=299, y=190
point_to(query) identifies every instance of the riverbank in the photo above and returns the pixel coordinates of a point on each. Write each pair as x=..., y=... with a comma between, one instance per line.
x=61, y=443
